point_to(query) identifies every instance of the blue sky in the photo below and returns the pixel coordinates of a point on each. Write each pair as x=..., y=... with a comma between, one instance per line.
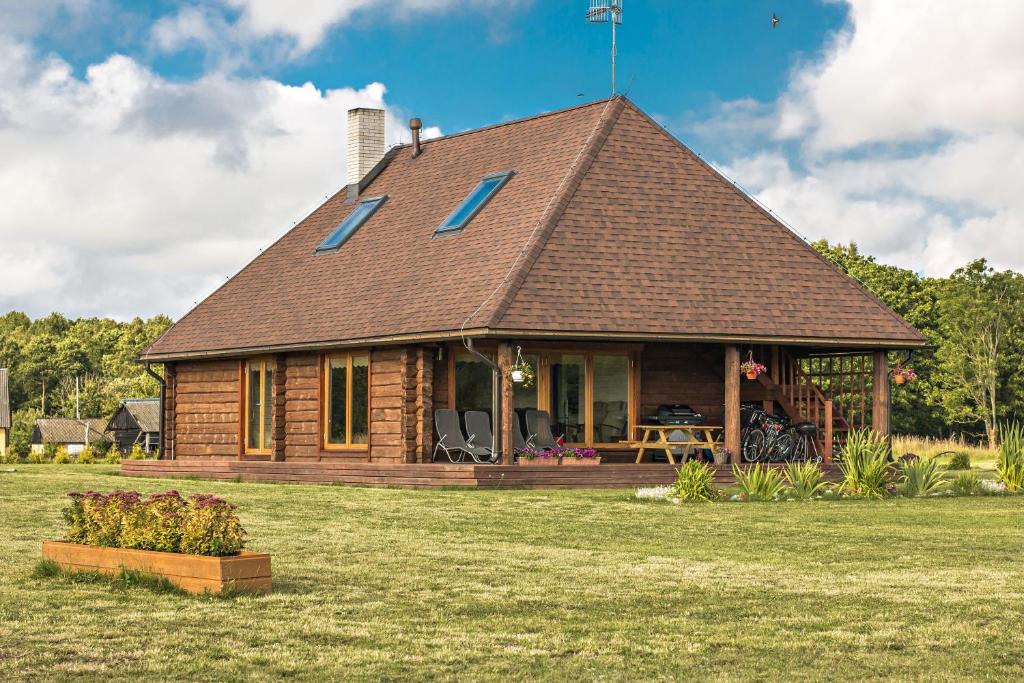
x=189, y=135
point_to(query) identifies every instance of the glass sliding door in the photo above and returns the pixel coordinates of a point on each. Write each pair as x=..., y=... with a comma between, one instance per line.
x=567, y=386
x=610, y=399
x=474, y=383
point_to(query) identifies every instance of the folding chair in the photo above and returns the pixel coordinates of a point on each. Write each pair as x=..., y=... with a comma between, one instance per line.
x=451, y=441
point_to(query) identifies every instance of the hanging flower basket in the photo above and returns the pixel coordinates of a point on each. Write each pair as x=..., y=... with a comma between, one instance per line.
x=903, y=375
x=752, y=369
x=521, y=372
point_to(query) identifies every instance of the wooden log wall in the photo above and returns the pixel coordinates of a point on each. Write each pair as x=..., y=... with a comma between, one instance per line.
x=206, y=410
x=301, y=424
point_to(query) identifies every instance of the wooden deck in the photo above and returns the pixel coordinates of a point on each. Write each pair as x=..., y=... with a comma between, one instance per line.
x=418, y=475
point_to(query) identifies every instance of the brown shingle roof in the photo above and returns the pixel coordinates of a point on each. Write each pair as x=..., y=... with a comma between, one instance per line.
x=609, y=225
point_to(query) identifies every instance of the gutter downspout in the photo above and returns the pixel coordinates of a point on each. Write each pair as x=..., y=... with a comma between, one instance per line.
x=163, y=400
x=495, y=393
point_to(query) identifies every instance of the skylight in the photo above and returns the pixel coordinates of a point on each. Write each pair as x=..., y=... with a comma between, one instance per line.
x=474, y=203
x=352, y=222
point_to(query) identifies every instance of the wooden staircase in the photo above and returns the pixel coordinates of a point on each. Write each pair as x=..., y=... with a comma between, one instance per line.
x=804, y=401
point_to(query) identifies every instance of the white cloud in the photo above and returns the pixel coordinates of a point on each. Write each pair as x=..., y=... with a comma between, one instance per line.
x=135, y=195
x=909, y=135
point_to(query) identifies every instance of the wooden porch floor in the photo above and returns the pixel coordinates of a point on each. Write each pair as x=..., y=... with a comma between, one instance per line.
x=421, y=475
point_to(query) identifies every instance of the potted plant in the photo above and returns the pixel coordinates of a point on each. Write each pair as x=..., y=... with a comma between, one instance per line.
x=521, y=372
x=722, y=455
x=752, y=369
x=903, y=375
x=195, y=543
x=537, y=456
x=580, y=457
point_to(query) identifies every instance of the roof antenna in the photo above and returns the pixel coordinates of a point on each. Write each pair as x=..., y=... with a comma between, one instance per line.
x=605, y=12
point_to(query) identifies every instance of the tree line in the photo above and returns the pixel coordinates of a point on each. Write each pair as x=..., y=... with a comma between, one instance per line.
x=59, y=367
x=970, y=379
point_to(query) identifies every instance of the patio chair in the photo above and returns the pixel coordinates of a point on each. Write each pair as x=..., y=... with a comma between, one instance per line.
x=451, y=441
x=520, y=442
x=478, y=424
x=538, y=422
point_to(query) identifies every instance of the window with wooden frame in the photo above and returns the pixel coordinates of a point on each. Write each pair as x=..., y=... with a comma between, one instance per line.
x=346, y=402
x=259, y=406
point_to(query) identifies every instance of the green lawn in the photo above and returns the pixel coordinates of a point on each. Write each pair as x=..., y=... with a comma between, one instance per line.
x=497, y=585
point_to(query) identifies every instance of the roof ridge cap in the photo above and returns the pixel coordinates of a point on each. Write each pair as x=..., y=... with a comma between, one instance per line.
x=557, y=205
x=501, y=124
x=721, y=177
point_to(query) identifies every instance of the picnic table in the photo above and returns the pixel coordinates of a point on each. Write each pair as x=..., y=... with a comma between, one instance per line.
x=694, y=437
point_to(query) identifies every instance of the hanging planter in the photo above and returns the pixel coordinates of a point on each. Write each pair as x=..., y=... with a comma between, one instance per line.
x=751, y=368
x=903, y=375
x=521, y=372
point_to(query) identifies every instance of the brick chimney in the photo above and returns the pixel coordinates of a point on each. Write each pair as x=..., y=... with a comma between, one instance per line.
x=365, y=142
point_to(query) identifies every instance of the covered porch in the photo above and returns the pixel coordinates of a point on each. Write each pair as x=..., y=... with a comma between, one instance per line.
x=606, y=395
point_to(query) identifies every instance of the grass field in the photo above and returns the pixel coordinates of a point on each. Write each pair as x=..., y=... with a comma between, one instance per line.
x=498, y=585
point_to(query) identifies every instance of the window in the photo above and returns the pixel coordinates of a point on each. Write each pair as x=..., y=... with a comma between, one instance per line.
x=474, y=203
x=352, y=222
x=347, y=392
x=259, y=408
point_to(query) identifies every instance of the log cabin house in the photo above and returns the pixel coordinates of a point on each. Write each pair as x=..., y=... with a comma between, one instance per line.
x=628, y=271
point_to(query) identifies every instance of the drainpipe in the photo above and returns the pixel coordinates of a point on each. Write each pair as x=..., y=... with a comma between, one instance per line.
x=163, y=399
x=495, y=392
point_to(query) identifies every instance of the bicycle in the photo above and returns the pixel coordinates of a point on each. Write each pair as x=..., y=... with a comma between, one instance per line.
x=767, y=438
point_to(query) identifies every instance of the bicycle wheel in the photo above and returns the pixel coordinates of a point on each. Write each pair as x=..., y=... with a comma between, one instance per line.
x=782, y=447
x=753, y=446
x=800, y=449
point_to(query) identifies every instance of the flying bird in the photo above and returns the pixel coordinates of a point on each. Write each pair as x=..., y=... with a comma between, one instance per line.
x=775, y=20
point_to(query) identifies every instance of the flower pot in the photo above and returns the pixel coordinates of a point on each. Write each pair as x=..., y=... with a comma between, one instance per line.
x=721, y=458
x=751, y=375
x=539, y=461
x=193, y=573
x=581, y=462
x=899, y=379
x=517, y=376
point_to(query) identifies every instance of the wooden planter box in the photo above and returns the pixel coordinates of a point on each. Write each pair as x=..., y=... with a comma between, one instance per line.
x=549, y=462
x=581, y=462
x=193, y=573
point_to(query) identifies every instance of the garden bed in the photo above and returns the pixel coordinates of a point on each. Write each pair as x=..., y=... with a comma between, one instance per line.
x=249, y=572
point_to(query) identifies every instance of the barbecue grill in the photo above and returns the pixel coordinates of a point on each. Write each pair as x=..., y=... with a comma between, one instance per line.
x=677, y=414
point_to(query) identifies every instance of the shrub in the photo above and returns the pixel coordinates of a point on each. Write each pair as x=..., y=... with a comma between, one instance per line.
x=864, y=462
x=960, y=460
x=9, y=458
x=1010, y=460
x=62, y=457
x=112, y=457
x=920, y=478
x=137, y=453
x=201, y=525
x=103, y=446
x=86, y=457
x=694, y=481
x=759, y=482
x=35, y=458
x=49, y=451
x=211, y=527
x=806, y=480
x=966, y=484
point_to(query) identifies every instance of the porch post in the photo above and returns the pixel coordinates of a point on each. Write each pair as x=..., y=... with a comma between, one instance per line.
x=506, y=403
x=732, y=401
x=880, y=394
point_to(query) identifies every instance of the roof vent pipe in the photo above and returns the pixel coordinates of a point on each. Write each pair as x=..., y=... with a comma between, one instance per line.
x=414, y=126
